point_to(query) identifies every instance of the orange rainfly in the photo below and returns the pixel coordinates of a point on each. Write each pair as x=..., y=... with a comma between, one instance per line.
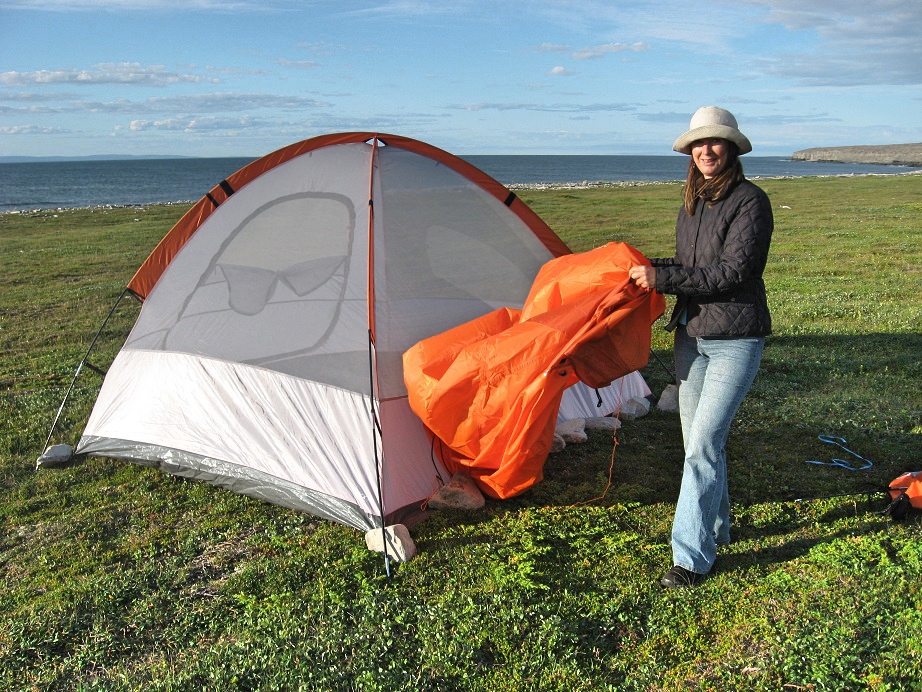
x=490, y=389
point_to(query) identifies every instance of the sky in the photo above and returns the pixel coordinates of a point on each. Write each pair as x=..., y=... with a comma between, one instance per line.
x=247, y=77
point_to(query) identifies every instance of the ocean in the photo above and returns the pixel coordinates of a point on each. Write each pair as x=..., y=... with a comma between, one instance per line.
x=88, y=183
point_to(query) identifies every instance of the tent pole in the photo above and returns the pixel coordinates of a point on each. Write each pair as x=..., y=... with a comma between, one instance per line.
x=376, y=429
x=83, y=361
x=376, y=425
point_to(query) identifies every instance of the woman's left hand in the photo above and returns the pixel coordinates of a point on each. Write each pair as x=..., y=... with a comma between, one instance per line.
x=644, y=276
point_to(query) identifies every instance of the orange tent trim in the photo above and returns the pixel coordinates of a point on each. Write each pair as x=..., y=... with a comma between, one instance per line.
x=153, y=267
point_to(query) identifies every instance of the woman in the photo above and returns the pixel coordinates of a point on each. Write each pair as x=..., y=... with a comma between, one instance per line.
x=720, y=320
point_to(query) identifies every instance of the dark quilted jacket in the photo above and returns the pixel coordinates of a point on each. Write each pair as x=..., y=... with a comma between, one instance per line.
x=717, y=269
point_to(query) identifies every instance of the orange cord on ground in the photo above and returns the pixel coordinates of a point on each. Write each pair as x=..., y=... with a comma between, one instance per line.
x=611, y=466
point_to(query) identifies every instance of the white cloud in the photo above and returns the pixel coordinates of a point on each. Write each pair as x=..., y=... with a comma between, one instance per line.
x=196, y=124
x=545, y=107
x=141, y=5
x=592, y=52
x=188, y=104
x=33, y=97
x=223, y=102
x=559, y=70
x=410, y=8
x=319, y=47
x=553, y=48
x=30, y=130
x=126, y=73
x=298, y=64
x=856, y=42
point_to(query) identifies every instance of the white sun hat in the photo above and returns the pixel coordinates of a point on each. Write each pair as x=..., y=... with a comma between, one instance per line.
x=708, y=122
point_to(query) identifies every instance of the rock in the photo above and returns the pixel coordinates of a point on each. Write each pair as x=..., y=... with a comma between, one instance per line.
x=55, y=455
x=884, y=154
x=559, y=444
x=608, y=423
x=400, y=547
x=669, y=399
x=573, y=430
x=460, y=493
x=635, y=408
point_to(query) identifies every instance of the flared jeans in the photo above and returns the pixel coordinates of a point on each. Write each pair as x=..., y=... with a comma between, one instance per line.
x=714, y=376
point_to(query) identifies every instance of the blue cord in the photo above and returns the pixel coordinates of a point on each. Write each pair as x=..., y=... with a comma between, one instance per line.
x=842, y=463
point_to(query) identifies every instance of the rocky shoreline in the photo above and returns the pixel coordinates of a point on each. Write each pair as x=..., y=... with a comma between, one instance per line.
x=887, y=154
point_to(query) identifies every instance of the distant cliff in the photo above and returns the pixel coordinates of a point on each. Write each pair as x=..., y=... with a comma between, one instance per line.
x=887, y=154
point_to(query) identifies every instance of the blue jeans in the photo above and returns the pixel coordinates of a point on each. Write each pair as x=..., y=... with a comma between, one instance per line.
x=714, y=377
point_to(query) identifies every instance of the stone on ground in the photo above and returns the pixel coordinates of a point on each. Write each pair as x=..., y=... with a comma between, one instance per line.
x=400, y=547
x=55, y=455
x=608, y=423
x=460, y=493
x=634, y=409
x=559, y=444
x=669, y=399
x=573, y=430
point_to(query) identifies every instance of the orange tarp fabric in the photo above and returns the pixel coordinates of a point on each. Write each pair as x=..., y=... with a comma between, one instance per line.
x=490, y=389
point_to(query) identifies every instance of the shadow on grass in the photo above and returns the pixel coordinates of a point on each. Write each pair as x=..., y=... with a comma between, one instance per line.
x=861, y=388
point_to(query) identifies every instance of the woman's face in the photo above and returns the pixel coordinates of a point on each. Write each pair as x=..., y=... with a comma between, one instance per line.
x=710, y=155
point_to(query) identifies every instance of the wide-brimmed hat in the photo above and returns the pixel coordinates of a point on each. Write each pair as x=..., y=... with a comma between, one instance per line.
x=708, y=122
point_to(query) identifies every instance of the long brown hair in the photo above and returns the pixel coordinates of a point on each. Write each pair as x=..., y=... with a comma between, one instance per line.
x=714, y=189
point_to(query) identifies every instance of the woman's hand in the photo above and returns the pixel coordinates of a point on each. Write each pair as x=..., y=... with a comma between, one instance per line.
x=644, y=276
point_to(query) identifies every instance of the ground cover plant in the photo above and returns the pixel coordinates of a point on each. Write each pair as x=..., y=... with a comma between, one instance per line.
x=114, y=576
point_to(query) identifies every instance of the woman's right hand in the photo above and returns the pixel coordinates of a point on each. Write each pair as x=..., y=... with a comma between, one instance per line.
x=644, y=276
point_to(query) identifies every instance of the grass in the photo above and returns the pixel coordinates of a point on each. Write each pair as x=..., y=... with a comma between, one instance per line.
x=118, y=577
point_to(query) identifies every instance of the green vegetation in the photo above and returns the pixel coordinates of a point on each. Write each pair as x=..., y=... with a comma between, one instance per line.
x=119, y=577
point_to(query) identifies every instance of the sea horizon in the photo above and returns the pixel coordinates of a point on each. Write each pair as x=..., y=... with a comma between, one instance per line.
x=52, y=158
x=62, y=183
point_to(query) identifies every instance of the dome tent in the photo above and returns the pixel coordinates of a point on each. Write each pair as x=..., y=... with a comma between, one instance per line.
x=267, y=356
